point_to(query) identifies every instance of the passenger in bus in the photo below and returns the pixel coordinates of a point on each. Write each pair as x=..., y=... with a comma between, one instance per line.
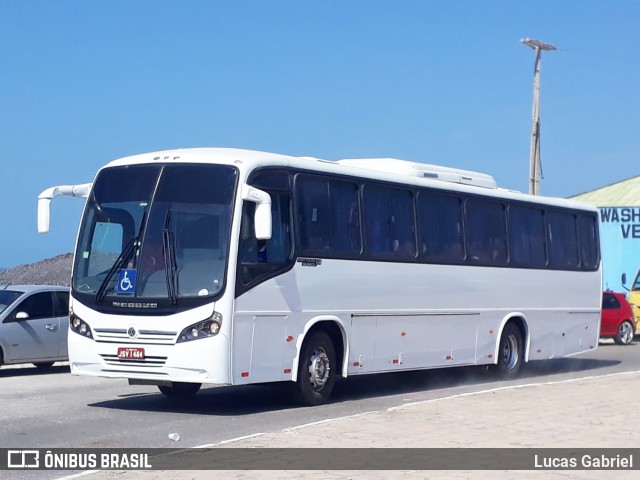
x=498, y=250
x=251, y=250
x=150, y=266
x=492, y=251
x=316, y=234
x=151, y=258
x=486, y=251
x=404, y=248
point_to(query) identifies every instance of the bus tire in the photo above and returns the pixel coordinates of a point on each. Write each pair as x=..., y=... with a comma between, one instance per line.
x=316, y=370
x=624, y=335
x=510, y=352
x=180, y=389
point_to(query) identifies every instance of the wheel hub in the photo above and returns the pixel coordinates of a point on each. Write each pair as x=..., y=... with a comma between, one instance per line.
x=319, y=368
x=626, y=332
x=510, y=352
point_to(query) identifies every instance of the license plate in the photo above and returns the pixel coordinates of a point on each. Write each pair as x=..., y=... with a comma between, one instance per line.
x=130, y=353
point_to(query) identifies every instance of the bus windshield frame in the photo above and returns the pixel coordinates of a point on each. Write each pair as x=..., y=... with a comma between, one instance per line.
x=154, y=238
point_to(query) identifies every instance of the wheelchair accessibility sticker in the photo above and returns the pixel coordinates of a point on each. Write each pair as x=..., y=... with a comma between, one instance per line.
x=127, y=281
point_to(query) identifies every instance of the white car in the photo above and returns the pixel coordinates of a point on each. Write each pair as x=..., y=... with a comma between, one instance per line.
x=34, y=321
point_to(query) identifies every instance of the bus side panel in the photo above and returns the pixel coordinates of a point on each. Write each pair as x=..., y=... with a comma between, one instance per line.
x=265, y=331
x=242, y=340
x=409, y=315
x=262, y=348
x=362, y=344
x=403, y=342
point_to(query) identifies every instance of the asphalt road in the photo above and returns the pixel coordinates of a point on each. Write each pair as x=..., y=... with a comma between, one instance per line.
x=53, y=409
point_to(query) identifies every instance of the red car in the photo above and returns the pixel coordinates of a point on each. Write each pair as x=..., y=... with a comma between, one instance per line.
x=617, y=319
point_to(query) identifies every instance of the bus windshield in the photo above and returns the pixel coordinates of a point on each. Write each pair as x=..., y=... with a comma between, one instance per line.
x=153, y=235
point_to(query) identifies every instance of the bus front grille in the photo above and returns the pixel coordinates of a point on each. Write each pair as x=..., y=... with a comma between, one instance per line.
x=117, y=335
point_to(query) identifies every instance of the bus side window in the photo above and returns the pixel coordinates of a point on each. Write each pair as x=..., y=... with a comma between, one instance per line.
x=248, y=247
x=440, y=227
x=588, y=237
x=527, y=244
x=486, y=228
x=278, y=249
x=314, y=213
x=328, y=216
x=346, y=214
x=261, y=258
x=389, y=221
x=562, y=238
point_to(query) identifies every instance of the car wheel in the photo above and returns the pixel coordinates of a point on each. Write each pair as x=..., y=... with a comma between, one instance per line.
x=316, y=370
x=180, y=389
x=44, y=365
x=625, y=332
x=510, y=352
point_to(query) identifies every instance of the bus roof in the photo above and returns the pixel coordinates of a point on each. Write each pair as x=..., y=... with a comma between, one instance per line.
x=384, y=169
x=388, y=165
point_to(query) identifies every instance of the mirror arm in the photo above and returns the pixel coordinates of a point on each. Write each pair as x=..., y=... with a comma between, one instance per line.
x=44, y=201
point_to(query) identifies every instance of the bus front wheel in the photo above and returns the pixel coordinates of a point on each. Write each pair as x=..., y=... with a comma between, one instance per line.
x=510, y=352
x=316, y=370
x=180, y=389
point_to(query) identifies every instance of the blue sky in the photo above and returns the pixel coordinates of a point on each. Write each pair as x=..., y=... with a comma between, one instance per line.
x=437, y=81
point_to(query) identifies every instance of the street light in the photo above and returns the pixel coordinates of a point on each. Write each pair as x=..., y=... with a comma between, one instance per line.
x=534, y=165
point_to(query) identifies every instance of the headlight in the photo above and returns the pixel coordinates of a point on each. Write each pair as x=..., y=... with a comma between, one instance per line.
x=79, y=326
x=204, y=329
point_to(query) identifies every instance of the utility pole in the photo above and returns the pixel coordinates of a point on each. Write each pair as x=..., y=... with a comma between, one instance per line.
x=535, y=168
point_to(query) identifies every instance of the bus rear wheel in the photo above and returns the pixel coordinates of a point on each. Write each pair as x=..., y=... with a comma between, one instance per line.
x=510, y=352
x=316, y=370
x=180, y=389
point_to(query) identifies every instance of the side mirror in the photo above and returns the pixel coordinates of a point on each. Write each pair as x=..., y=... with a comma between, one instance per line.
x=44, y=214
x=262, y=221
x=44, y=201
x=623, y=279
x=262, y=216
x=22, y=316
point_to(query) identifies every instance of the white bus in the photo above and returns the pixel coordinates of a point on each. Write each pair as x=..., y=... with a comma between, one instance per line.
x=229, y=267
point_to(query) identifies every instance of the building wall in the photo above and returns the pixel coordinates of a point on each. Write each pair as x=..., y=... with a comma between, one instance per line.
x=620, y=244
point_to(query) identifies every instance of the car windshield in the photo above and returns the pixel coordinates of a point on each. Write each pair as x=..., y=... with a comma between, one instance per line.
x=7, y=297
x=155, y=232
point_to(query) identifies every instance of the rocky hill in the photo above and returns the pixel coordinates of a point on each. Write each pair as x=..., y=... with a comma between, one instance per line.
x=51, y=271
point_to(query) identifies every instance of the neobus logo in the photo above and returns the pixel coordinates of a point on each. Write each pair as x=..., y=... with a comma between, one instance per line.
x=134, y=305
x=310, y=262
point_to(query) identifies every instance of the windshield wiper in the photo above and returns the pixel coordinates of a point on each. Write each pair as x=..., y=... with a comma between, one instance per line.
x=122, y=260
x=170, y=266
